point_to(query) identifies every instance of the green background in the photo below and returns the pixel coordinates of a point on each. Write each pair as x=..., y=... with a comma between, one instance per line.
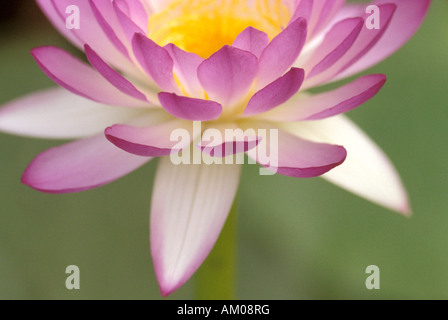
x=298, y=239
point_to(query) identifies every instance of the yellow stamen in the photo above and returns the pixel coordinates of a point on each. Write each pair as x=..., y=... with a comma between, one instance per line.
x=205, y=26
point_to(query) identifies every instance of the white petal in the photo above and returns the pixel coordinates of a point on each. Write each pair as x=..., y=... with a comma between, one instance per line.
x=59, y=114
x=367, y=172
x=189, y=208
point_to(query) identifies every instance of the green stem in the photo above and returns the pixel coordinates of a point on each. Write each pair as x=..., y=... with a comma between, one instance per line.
x=215, y=280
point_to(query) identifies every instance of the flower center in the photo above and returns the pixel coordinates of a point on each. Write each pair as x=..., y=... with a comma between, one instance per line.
x=205, y=26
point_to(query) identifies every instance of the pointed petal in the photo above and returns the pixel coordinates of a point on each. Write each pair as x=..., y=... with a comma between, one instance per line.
x=59, y=114
x=90, y=32
x=336, y=43
x=114, y=78
x=304, y=9
x=407, y=19
x=190, y=205
x=152, y=141
x=282, y=52
x=228, y=74
x=276, y=93
x=189, y=108
x=364, y=42
x=328, y=104
x=136, y=11
x=79, y=166
x=367, y=172
x=79, y=78
x=318, y=13
x=293, y=156
x=105, y=15
x=323, y=14
x=156, y=61
x=252, y=40
x=129, y=27
x=186, y=66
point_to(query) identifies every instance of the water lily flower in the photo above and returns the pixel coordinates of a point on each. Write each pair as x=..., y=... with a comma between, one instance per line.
x=158, y=65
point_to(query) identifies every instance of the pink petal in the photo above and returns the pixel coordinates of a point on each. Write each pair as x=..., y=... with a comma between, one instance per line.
x=367, y=172
x=318, y=13
x=304, y=10
x=282, y=52
x=365, y=41
x=79, y=166
x=92, y=33
x=129, y=27
x=328, y=104
x=227, y=139
x=407, y=19
x=228, y=148
x=153, y=141
x=276, y=93
x=186, y=66
x=368, y=38
x=297, y=157
x=156, y=61
x=107, y=19
x=136, y=11
x=59, y=114
x=79, y=78
x=189, y=108
x=252, y=40
x=336, y=43
x=328, y=9
x=190, y=205
x=228, y=74
x=115, y=78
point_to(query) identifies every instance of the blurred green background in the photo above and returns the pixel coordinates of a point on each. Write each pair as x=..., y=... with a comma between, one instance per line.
x=298, y=239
